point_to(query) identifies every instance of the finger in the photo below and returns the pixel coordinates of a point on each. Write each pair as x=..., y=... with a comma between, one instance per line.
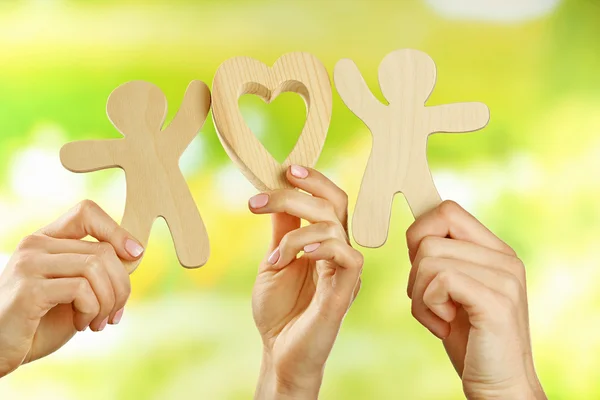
x=295, y=203
x=119, y=278
x=451, y=220
x=293, y=242
x=429, y=268
x=88, y=219
x=282, y=224
x=88, y=266
x=437, y=247
x=317, y=184
x=76, y=291
x=349, y=263
x=454, y=287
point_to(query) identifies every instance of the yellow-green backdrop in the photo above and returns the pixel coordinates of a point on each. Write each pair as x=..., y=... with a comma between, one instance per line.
x=532, y=176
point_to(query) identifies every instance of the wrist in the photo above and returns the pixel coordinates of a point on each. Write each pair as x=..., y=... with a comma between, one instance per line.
x=274, y=384
x=524, y=391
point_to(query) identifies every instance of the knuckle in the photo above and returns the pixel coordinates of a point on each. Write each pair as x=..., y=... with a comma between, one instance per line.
x=282, y=197
x=105, y=250
x=122, y=293
x=30, y=242
x=84, y=288
x=427, y=265
x=94, y=263
x=286, y=241
x=22, y=261
x=513, y=289
x=359, y=259
x=428, y=245
x=331, y=228
x=518, y=267
x=343, y=198
x=449, y=209
x=445, y=278
x=511, y=251
x=85, y=206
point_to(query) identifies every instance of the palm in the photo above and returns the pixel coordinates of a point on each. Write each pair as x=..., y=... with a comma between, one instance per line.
x=286, y=307
x=470, y=350
x=281, y=297
x=54, y=330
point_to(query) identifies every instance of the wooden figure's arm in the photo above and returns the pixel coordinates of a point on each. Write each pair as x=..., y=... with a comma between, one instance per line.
x=189, y=119
x=91, y=155
x=356, y=94
x=458, y=117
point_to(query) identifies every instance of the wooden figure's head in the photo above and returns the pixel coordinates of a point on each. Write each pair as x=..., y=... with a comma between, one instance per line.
x=136, y=108
x=407, y=76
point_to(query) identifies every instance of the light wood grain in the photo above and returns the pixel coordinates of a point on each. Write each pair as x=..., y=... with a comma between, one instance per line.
x=398, y=160
x=301, y=73
x=149, y=155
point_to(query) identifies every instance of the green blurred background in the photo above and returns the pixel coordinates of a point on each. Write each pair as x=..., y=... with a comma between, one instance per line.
x=532, y=176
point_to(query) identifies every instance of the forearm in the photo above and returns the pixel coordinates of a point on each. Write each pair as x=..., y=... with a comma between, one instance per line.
x=271, y=386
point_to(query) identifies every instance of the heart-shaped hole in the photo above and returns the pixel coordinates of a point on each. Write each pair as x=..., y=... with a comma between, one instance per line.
x=277, y=124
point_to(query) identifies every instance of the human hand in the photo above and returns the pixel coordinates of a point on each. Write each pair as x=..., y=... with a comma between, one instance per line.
x=55, y=284
x=468, y=288
x=299, y=302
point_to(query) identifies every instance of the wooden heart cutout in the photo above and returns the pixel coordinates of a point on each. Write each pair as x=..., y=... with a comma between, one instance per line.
x=297, y=72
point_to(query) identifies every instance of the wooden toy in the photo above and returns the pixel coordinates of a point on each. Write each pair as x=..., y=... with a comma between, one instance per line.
x=150, y=156
x=398, y=160
x=298, y=72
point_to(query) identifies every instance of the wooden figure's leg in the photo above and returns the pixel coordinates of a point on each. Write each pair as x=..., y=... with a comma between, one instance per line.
x=138, y=222
x=373, y=210
x=419, y=189
x=187, y=228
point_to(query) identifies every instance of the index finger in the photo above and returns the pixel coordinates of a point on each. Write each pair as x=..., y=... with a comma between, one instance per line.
x=88, y=219
x=317, y=184
x=451, y=220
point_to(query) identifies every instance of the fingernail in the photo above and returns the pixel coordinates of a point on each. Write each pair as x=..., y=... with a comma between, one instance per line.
x=258, y=201
x=118, y=316
x=298, y=171
x=274, y=257
x=133, y=248
x=309, y=248
x=103, y=324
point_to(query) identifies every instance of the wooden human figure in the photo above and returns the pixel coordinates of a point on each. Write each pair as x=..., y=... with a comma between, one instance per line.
x=398, y=160
x=150, y=158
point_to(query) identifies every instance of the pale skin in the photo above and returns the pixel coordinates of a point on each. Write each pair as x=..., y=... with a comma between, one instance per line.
x=299, y=301
x=468, y=288
x=466, y=285
x=57, y=284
